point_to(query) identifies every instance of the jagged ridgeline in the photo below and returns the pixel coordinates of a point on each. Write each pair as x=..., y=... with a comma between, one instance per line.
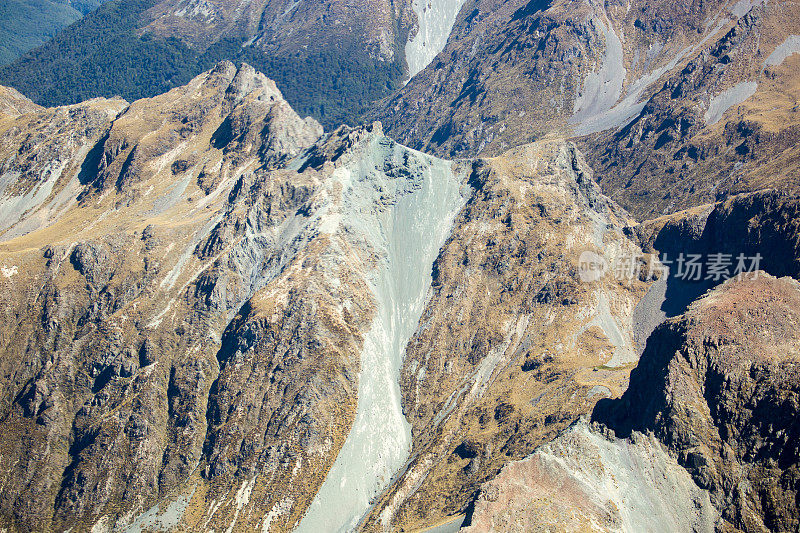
x=215, y=316
x=218, y=317
x=119, y=51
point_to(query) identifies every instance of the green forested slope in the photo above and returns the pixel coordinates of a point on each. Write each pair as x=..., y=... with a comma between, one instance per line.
x=101, y=55
x=26, y=24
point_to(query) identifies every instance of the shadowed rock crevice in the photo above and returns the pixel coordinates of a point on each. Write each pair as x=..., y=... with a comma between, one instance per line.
x=751, y=231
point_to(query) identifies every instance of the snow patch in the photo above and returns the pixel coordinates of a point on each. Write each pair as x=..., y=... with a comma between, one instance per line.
x=435, y=22
x=9, y=271
x=729, y=98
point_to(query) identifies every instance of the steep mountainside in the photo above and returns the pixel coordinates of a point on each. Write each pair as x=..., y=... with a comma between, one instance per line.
x=26, y=24
x=726, y=123
x=715, y=391
x=514, y=71
x=585, y=480
x=512, y=346
x=720, y=387
x=675, y=105
x=123, y=236
x=330, y=59
x=218, y=317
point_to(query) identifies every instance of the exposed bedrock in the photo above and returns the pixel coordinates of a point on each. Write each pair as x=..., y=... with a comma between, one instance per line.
x=720, y=387
x=747, y=232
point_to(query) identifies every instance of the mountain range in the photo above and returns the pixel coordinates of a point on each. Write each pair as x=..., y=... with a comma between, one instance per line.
x=484, y=265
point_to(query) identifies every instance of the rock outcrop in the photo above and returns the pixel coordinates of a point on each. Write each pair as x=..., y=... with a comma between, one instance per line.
x=215, y=314
x=704, y=439
x=514, y=71
x=132, y=236
x=587, y=481
x=513, y=346
x=724, y=124
x=747, y=232
x=719, y=387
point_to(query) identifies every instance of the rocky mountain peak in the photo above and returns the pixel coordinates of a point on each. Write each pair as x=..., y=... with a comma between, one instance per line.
x=223, y=120
x=214, y=315
x=224, y=277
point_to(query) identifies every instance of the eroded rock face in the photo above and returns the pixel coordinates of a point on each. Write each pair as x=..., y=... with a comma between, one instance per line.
x=514, y=71
x=205, y=289
x=513, y=346
x=587, y=481
x=722, y=125
x=108, y=221
x=236, y=112
x=200, y=302
x=13, y=103
x=748, y=232
x=44, y=155
x=719, y=387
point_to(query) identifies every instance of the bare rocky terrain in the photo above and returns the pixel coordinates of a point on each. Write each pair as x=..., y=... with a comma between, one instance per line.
x=202, y=289
x=725, y=124
x=716, y=392
x=218, y=316
x=719, y=387
x=675, y=105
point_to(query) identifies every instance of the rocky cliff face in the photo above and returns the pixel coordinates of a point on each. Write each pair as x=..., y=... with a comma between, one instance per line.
x=216, y=316
x=725, y=124
x=512, y=346
x=713, y=392
x=587, y=481
x=746, y=232
x=719, y=387
x=674, y=105
x=124, y=230
x=704, y=439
